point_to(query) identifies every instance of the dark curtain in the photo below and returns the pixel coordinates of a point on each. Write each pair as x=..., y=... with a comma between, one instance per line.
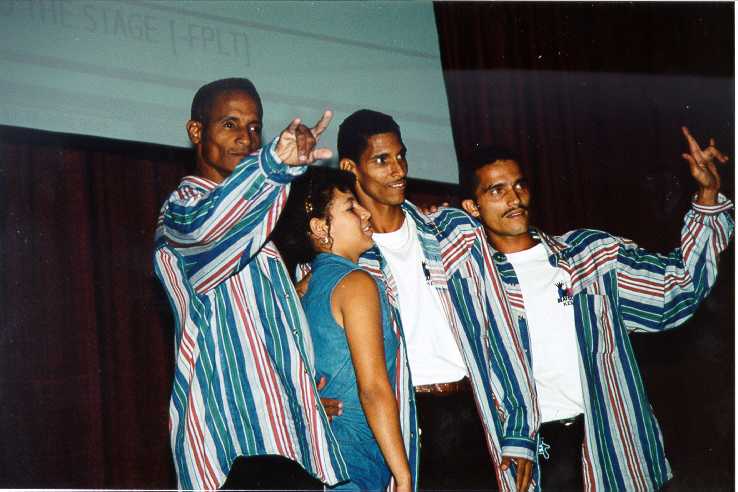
x=592, y=96
x=86, y=341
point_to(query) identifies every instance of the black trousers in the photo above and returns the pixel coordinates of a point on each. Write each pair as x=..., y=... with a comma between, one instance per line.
x=453, y=449
x=562, y=471
x=269, y=473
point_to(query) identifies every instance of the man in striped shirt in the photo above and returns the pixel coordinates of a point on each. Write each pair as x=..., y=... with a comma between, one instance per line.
x=243, y=385
x=472, y=393
x=574, y=299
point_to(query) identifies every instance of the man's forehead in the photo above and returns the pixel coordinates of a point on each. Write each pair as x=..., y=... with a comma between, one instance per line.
x=499, y=172
x=388, y=139
x=502, y=168
x=383, y=141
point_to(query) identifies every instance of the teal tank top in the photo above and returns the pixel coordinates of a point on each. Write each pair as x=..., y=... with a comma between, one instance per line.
x=332, y=356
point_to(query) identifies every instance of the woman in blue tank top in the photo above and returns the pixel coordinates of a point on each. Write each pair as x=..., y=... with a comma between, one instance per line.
x=351, y=328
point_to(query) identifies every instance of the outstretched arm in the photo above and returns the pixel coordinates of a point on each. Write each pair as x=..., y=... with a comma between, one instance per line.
x=659, y=292
x=219, y=230
x=356, y=307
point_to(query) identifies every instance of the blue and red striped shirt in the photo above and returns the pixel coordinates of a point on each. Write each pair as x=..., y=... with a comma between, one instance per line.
x=243, y=380
x=495, y=361
x=617, y=288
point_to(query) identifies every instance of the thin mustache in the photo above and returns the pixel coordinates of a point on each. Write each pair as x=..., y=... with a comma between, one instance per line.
x=521, y=207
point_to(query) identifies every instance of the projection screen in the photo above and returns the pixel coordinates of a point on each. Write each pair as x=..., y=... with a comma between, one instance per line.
x=128, y=70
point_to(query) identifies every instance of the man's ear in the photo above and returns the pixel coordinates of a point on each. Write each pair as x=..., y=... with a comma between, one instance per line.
x=194, y=131
x=318, y=227
x=470, y=207
x=347, y=165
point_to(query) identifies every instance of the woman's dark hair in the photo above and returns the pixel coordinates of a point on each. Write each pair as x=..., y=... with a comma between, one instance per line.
x=310, y=196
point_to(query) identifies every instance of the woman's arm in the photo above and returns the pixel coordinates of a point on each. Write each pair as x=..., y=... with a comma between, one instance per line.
x=355, y=305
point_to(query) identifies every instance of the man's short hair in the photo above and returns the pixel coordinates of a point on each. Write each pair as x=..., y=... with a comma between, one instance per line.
x=205, y=95
x=478, y=158
x=356, y=129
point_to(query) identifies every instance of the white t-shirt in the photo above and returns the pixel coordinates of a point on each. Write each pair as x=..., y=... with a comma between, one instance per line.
x=432, y=352
x=548, y=307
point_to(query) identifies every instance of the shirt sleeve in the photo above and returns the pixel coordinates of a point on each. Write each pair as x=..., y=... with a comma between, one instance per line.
x=509, y=375
x=512, y=374
x=519, y=426
x=660, y=292
x=218, y=232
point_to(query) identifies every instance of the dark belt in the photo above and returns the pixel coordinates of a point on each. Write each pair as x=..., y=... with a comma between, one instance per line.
x=565, y=423
x=459, y=386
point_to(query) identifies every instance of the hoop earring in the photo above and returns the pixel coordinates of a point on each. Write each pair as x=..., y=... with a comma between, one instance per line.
x=326, y=241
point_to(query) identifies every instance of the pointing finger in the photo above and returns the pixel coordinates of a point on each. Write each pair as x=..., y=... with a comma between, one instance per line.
x=693, y=145
x=322, y=123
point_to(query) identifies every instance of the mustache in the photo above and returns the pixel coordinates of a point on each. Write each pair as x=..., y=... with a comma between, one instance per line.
x=519, y=207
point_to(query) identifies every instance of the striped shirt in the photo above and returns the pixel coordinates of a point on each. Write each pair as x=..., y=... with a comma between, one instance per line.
x=618, y=288
x=243, y=380
x=499, y=393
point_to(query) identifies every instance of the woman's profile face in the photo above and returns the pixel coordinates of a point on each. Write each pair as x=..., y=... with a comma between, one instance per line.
x=350, y=228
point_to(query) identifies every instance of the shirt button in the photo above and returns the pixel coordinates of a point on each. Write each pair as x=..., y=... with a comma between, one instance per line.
x=499, y=257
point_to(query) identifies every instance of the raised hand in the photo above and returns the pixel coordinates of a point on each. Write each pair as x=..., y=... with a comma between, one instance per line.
x=296, y=146
x=703, y=169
